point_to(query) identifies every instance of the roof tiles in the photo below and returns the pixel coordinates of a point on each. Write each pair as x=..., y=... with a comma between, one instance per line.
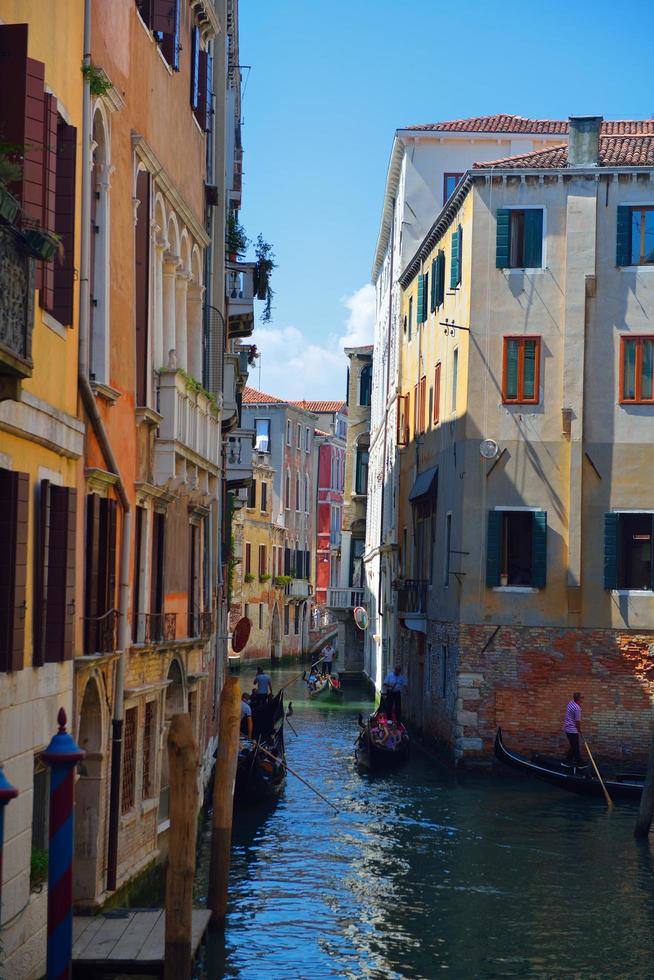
x=320, y=406
x=614, y=151
x=253, y=397
x=505, y=123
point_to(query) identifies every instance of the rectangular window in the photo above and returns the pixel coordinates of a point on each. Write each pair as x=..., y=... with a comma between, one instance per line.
x=422, y=413
x=252, y=494
x=100, y=592
x=455, y=378
x=437, y=281
x=299, y=436
x=450, y=182
x=636, y=370
x=262, y=435
x=516, y=548
x=54, y=573
x=287, y=622
x=635, y=235
x=307, y=440
x=287, y=493
x=456, y=257
x=296, y=619
x=158, y=570
x=519, y=238
x=437, y=392
x=263, y=560
x=248, y=558
x=261, y=615
x=129, y=761
x=264, y=497
x=289, y=433
x=149, y=744
x=361, y=481
x=628, y=551
x=422, y=299
x=521, y=370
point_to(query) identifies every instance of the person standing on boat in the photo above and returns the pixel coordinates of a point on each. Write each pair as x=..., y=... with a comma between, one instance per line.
x=328, y=655
x=394, y=684
x=246, y=716
x=262, y=687
x=572, y=728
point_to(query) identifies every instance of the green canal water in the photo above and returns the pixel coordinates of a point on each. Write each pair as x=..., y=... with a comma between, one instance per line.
x=424, y=873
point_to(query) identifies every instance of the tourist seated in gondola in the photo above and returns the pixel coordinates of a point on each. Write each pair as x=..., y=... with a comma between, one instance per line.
x=312, y=680
x=246, y=716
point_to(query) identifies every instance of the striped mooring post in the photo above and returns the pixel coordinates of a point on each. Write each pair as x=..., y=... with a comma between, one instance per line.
x=7, y=793
x=62, y=755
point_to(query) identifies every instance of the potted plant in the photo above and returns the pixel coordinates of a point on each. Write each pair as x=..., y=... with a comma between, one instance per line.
x=38, y=868
x=265, y=265
x=248, y=577
x=504, y=579
x=236, y=241
x=264, y=577
x=10, y=171
x=43, y=244
x=282, y=580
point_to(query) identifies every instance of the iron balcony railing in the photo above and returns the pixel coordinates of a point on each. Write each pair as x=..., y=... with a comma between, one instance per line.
x=412, y=595
x=16, y=313
x=101, y=632
x=344, y=598
x=160, y=627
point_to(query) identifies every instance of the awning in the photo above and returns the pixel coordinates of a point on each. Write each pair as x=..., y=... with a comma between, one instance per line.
x=425, y=484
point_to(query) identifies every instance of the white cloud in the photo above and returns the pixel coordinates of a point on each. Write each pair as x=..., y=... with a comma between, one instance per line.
x=293, y=366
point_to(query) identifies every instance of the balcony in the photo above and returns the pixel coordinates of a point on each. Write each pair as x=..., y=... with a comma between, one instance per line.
x=239, y=285
x=200, y=624
x=335, y=537
x=298, y=588
x=16, y=314
x=235, y=376
x=344, y=598
x=101, y=633
x=190, y=429
x=412, y=603
x=240, y=443
x=159, y=627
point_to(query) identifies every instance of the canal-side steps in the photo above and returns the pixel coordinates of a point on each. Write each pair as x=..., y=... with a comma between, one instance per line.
x=128, y=942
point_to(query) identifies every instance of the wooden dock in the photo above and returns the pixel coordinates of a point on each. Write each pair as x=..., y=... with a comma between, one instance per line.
x=129, y=942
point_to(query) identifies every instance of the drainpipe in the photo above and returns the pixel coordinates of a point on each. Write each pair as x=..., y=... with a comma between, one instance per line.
x=88, y=400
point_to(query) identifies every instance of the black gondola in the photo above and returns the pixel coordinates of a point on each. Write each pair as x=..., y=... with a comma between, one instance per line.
x=258, y=777
x=623, y=785
x=372, y=755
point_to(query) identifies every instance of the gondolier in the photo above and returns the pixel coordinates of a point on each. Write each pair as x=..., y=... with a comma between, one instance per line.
x=328, y=655
x=246, y=716
x=572, y=728
x=394, y=684
x=262, y=687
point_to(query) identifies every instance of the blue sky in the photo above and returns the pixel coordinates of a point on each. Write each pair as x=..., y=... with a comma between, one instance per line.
x=329, y=84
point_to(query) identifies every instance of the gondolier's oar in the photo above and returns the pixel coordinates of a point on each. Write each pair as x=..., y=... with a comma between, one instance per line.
x=301, y=778
x=609, y=801
x=294, y=679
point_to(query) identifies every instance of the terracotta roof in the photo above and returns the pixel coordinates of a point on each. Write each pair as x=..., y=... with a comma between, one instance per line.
x=614, y=151
x=320, y=406
x=504, y=123
x=253, y=397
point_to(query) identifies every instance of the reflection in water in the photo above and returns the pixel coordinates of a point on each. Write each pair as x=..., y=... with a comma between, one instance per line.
x=423, y=873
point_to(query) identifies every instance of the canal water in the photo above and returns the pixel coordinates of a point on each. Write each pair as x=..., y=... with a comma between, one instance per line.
x=424, y=873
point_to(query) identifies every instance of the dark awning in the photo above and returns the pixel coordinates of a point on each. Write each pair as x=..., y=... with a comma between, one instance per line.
x=425, y=484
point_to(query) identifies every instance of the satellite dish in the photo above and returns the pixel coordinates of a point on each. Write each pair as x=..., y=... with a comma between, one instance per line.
x=361, y=618
x=241, y=634
x=488, y=448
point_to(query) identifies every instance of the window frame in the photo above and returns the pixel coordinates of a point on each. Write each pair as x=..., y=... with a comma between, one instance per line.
x=289, y=432
x=257, y=435
x=513, y=270
x=450, y=173
x=638, y=340
x=520, y=398
x=641, y=208
x=437, y=393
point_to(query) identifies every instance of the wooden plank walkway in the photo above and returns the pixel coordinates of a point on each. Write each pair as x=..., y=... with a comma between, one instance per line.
x=129, y=943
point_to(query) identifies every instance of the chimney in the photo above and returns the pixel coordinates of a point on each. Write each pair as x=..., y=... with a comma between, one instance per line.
x=583, y=141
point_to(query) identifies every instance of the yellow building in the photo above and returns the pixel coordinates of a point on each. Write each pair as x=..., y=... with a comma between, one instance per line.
x=525, y=566
x=41, y=439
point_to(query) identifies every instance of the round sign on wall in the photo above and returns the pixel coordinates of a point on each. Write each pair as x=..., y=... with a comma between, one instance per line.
x=361, y=618
x=241, y=634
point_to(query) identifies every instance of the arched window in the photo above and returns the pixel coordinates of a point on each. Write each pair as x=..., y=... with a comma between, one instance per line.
x=306, y=493
x=287, y=494
x=297, y=491
x=365, y=380
x=361, y=465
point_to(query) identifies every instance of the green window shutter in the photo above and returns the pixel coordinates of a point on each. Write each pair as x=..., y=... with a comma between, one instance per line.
x=511, y=380
x=493, y=548
x=623, y=243
x=440, y=292
x=539, y=549
x=611, y=551
x=432, y=298
x=455, y=264
x=533, y=238
x=529, y=369
x=422, y=305
x=503, y=241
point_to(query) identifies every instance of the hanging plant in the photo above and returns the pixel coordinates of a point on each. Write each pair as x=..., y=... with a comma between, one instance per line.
x=248, y=577
x=265, y=265
x=236, y=241
x=99, y=84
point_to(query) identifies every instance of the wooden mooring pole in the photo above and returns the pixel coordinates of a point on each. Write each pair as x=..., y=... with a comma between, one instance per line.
x=223, y=797
x=184, y=765
x=646, y=809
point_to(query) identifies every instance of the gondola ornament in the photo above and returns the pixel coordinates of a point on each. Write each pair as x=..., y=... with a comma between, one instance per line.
x=361, y=617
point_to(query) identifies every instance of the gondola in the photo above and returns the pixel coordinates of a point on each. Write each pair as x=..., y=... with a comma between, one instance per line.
x=335, y=687
x=258, y=777
x=620, y=783
x=321, y=688
x=371, y=755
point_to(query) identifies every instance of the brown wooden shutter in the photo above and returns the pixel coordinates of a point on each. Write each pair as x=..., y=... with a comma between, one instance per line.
x=40, y=574
x=70, y=574
x=202, y=108
x=55, y=600
x=46, y=294
x=110, y=509
x=92, y=571
x=141, y=277
x=164, y=16
x=158, y=551
x=64, y=266
x=14, y=501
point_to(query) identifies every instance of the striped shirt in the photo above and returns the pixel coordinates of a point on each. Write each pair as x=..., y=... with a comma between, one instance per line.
x=572, y=718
